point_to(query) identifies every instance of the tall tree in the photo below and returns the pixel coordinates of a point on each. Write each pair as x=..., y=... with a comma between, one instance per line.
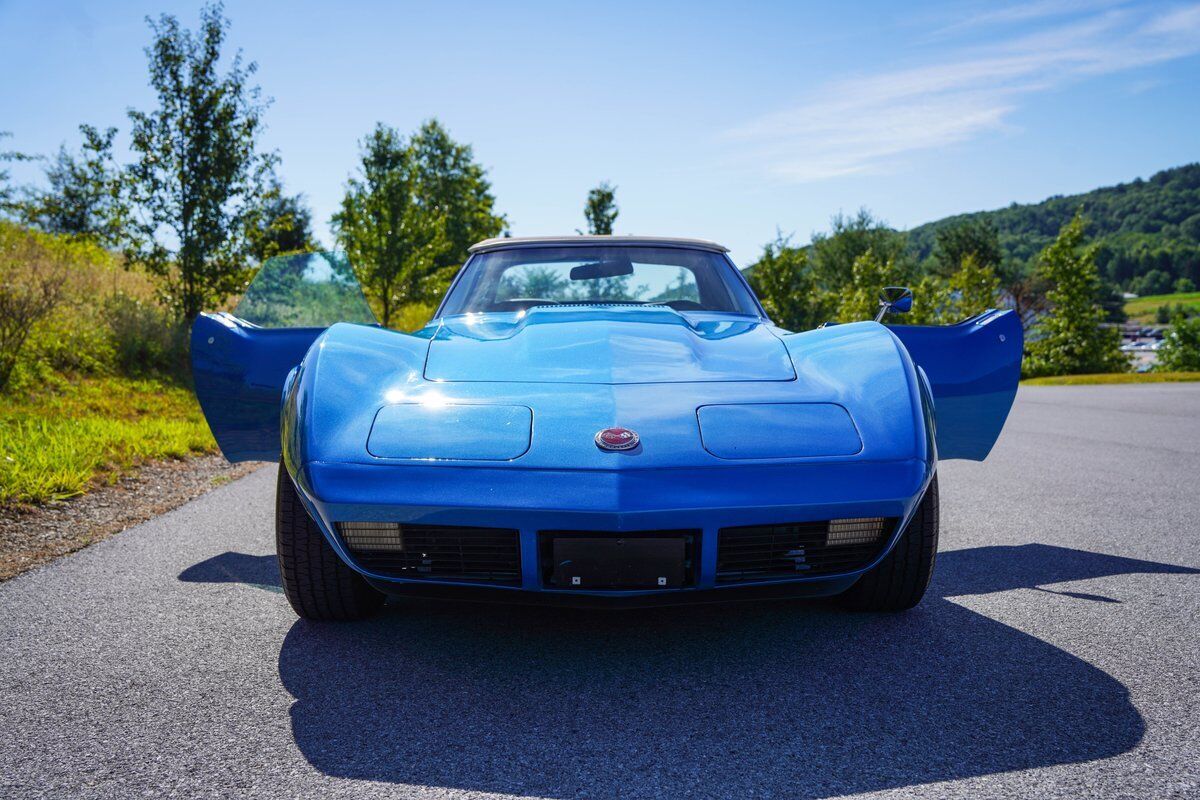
x=1069, y=339
x=859, y=298
x=82, y=197
x=395, y=241
x=783, y=281
x=601, y=210
x=198, y=173
x=835, y=253
x=973, y=287
x=973, y=237
x=452, y=186
x=282, y=223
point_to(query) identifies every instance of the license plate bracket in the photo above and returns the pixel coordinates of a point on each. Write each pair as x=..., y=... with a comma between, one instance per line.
x=619, y=562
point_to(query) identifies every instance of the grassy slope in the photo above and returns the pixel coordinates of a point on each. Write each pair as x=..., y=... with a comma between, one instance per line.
x=1114, y=377
x=1143, y=309
x=55, y=442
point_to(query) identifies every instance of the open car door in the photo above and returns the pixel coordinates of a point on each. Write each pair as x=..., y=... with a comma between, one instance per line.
x=973, y=369
x=240, y=361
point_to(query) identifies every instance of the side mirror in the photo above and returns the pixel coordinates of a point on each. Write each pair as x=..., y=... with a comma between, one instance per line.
x=894, y=300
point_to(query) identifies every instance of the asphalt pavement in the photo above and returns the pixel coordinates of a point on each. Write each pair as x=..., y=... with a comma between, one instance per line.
x=1055, y=655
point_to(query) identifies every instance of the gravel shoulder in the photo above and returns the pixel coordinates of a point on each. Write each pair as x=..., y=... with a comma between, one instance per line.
x=33, y=535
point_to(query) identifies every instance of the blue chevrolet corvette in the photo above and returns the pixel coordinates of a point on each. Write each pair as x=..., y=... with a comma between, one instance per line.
x=600, y=419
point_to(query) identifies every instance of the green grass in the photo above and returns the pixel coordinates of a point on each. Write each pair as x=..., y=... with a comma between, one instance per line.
x=1114, y=377
x=57, y=441
x=1143, y=309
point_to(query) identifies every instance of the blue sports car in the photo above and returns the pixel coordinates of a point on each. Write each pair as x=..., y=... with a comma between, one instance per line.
x=596, y=419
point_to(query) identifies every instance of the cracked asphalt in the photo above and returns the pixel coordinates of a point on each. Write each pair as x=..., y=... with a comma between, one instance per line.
x=1056, y=655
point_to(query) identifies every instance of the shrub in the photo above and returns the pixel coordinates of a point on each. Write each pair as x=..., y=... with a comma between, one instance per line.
x=145, y=337
x=1180, y=350
x=34, y=270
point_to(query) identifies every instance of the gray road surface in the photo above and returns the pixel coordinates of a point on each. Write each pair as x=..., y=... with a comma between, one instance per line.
x=1056, y=654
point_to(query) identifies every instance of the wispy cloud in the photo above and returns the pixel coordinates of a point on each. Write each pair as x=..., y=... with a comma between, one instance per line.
x=991, y=14
x=861, y=123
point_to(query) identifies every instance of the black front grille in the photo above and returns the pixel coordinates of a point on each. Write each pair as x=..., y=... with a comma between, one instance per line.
x=442, y=552
x=801, y=549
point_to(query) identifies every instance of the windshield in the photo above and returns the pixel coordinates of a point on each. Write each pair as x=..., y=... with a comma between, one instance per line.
x=304, y=290
x=525, y=277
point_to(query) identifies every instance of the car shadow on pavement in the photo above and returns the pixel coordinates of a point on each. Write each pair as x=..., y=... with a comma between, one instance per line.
x=231, y=567
x=793, y=698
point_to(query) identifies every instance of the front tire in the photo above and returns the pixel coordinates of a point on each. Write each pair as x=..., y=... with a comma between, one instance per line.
x=899, y=581
x=316, y=582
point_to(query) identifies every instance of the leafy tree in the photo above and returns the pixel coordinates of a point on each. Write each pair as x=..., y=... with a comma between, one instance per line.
x=281, y=224
x=198, y=173
x=1112, y=302
x=1156, y=281
x=452, y=186
x=1180, y=351
x=1069, y=339
x=971, y=238
x=784, y=283
x=1185, y=285
x=601, y=210
x=974, y=287
x=834, y=254
x=1027, y=294
x=396, y=242
x=83, y=194
x=859, y=299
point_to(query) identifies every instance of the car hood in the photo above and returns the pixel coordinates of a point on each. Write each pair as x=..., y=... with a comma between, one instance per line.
x=606, y=345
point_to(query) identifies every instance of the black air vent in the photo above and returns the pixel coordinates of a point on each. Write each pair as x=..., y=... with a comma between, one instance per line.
x=435, y=552
x=800, y=549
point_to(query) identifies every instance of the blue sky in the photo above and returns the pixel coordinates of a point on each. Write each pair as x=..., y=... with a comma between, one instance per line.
x=723, y=121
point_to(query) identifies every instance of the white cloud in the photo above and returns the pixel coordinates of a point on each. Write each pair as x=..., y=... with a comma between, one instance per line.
x=861, y=123
x=991, y=14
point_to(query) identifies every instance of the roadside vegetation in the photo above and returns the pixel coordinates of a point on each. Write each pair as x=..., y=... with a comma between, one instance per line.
x=92, y=367
x=104, y=265
x=1106, y=378
x=58, y=441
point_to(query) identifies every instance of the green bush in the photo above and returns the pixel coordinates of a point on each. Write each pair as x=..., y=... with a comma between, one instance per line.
x=1180, y=350
x=145, y=337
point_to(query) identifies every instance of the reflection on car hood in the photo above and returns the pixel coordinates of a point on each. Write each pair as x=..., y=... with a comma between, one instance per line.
x=607, y=345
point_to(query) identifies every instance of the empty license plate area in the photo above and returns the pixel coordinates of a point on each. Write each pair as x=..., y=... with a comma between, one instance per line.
x=573, y=560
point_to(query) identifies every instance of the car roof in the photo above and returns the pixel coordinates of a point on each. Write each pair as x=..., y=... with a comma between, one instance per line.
x=504, y=243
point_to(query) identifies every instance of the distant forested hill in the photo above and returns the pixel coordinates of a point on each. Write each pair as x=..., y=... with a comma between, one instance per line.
x=1143, y=227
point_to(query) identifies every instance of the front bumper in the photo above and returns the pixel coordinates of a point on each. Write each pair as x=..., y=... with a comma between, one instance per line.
x=704, y=500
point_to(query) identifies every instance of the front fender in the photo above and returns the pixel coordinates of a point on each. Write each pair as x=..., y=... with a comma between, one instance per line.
x=334, y=393
x=864, y=368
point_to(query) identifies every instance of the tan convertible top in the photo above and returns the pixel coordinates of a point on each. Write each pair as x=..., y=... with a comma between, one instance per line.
x=633, y=241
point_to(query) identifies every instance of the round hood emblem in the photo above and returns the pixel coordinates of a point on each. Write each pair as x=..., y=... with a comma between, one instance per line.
x=617, y=439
